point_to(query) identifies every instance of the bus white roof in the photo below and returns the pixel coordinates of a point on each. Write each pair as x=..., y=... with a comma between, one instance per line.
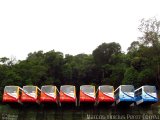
x=48, y=86
x=12, y=86
x=67, y=85
x=87, y=86
x=144, y=86
x=105, y=86
x=122, y=85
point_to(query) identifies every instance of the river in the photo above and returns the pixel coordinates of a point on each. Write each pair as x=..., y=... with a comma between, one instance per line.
x=40, y=112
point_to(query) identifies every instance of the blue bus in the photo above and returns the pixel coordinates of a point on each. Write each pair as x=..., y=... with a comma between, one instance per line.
x=146, y=94
x=124, y=94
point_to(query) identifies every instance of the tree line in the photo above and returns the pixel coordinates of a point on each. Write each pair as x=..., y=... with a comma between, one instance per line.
x=107, y=64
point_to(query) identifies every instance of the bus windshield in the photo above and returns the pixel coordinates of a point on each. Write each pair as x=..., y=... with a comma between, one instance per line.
x=29, y=89
x=87, y=89
x=106, y=89
x=127, y=88
x=11, y=89
x=150, y=89
x=48, y=89
x=67, y=89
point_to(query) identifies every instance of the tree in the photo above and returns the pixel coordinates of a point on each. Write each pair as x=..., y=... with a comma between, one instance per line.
x=104, y=52
x=117, y=75
x=132, y=50
x=146, y=76
x=151, y=38
x=54, y=63
x=4, y=60
x=130, y=77
x=150, y=31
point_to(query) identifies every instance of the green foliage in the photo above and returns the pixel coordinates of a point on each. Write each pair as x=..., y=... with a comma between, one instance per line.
x=4, y=59
x=130, y=77
x=146, y=76
x=105, y=52
x=118, y=74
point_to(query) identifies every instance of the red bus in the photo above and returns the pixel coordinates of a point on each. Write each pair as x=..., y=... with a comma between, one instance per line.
x=50, y=94
x=105, y=94
x=68, y=94
x=87, y=94
x=30, y=94
x=12, y=94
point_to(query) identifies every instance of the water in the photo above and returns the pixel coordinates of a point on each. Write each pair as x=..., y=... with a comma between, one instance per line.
x=39, y=112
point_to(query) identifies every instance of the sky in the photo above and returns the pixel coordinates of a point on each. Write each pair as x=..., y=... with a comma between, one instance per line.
x=70, y=26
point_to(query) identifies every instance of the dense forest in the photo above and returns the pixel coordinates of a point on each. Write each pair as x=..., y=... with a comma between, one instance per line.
x=107, y=64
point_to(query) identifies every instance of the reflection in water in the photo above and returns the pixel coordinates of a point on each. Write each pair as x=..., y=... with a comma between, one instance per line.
x=84, y=113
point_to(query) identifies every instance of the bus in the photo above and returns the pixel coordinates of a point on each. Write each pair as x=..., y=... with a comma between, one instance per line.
x=49, y=94
x=87, y=94
x=68, y=94
x=105, y=94
x=124, y=94
x=30, y=94
x=12, y=94
x=146, y=95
